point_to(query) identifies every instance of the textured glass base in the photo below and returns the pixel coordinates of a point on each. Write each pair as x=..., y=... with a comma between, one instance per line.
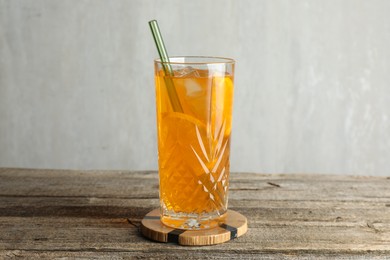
x=193, y=221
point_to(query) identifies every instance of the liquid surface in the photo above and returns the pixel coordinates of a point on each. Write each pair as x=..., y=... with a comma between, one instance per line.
x=194, y=147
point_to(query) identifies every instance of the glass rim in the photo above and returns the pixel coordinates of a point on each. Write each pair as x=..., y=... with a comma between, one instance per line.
x=202, y=60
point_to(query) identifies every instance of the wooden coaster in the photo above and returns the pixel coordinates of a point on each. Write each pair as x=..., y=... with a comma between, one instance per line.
x=234, y=226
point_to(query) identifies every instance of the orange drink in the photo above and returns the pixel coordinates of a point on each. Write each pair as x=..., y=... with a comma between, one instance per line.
x=194, y=142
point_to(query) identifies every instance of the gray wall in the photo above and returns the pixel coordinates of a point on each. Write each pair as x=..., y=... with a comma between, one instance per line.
x=312, y=81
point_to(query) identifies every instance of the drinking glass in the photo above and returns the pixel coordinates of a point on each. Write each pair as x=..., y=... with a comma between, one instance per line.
x=194, y=98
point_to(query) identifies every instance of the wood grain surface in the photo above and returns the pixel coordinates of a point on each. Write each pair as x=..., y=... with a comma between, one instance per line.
x=233, y=226
x=97, y=214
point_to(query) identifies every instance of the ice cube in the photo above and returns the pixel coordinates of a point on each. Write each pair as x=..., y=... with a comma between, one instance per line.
x=192, y=87
x=186, y=72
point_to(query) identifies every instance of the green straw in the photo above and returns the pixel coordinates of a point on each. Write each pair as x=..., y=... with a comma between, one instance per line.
x=173, y=97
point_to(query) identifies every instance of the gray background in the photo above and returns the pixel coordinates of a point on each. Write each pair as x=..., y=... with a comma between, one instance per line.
x=312, y=81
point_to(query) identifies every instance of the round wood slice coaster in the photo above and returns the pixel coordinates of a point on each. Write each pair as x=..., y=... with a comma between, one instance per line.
x=234, y=226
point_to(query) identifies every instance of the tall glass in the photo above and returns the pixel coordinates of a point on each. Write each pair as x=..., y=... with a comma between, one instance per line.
x=194, y=101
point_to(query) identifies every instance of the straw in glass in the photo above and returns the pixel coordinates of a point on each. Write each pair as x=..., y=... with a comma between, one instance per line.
x=173, y=97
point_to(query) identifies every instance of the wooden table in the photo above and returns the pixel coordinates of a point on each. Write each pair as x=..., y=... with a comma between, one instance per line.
x=96, y=214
